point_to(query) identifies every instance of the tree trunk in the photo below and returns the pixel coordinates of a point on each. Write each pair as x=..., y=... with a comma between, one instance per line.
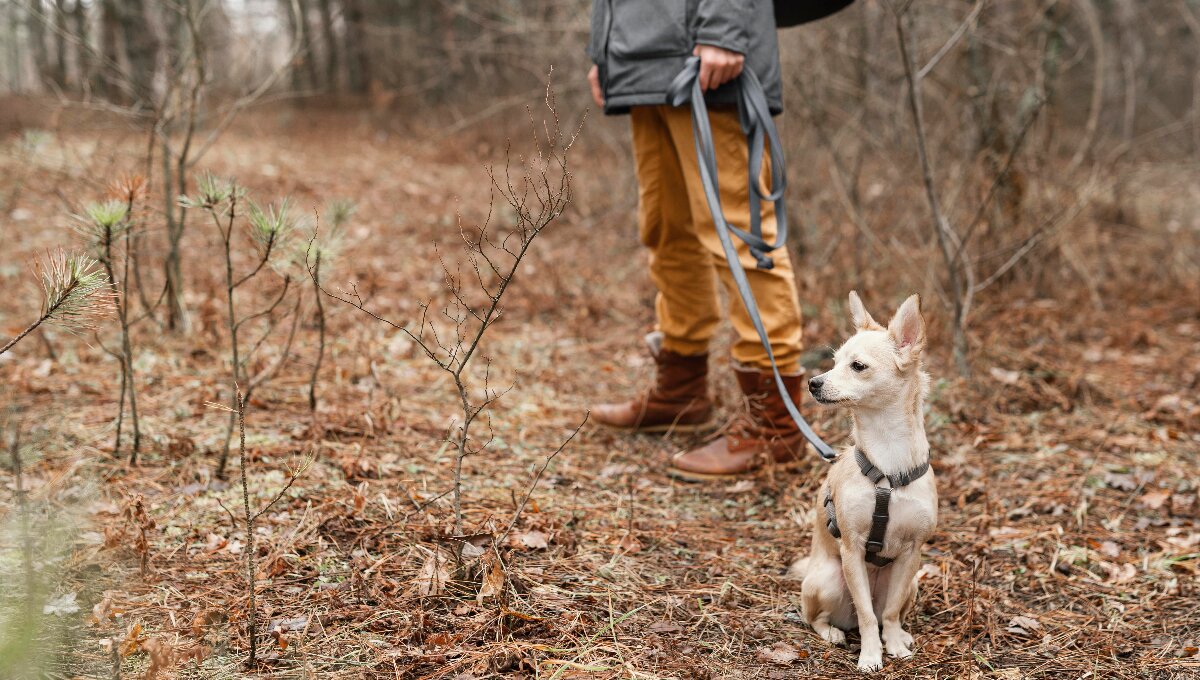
x=36, y=26
x=307, y=56
x=60, y=43
x=83, y=53
x=293, y=28
x=358, y=60
x=332, y=49
x=14, y=55
x=141, y=45
x=110, y=51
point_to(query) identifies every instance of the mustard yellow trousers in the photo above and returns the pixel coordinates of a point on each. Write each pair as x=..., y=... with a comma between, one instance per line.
x=686, y=259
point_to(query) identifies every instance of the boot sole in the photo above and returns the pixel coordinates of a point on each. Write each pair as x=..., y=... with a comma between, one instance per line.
x=701, y=477
x=663, y=429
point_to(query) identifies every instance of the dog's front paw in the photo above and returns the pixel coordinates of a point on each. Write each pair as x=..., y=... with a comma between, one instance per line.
x=869, y=662
x=898, y=642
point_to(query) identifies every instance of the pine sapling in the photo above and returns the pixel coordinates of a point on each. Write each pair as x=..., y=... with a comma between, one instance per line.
x=103, y=225
x=75, y=294
x=250, y=517
x=322, y=248
x=267, y=230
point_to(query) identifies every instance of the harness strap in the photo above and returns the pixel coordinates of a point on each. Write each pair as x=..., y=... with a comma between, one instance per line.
x=879, y=522
x=755, y=117
x=831, y=516
x=898, y=480
x=883, y=498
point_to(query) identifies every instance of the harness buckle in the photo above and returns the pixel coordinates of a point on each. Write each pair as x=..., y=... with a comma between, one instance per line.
x=874, y=546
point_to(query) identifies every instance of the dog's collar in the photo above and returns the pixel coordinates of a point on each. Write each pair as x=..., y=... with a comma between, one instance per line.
x=898, y=481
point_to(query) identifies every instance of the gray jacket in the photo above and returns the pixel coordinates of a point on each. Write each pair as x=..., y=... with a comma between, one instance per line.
x=640, y=46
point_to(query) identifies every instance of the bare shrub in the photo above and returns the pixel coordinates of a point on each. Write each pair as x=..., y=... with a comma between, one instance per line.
x=452, y=336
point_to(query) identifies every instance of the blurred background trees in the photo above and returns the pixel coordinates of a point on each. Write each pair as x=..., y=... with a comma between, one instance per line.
x=120, y=49
x=1056, y=129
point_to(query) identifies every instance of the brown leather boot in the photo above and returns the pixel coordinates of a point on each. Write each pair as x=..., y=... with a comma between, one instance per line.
x=678, y=402
x=765, y=431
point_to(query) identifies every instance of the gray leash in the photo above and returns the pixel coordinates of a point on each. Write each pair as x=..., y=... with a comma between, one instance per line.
x=755, y=118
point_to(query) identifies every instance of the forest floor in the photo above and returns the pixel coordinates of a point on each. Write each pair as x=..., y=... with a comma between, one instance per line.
x=1067, y=465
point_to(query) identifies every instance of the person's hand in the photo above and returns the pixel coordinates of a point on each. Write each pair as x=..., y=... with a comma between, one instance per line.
x=718, y=66
x=594, y=80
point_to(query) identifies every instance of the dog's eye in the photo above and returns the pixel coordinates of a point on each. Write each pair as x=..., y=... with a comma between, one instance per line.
x=858, y=366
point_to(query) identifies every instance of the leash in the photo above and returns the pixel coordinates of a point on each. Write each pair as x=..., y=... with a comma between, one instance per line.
x=755, y=118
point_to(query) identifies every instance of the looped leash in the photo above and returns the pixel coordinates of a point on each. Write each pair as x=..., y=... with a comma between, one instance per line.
x=755, y=118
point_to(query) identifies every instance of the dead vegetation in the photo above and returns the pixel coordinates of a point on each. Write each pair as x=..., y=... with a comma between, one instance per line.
x=1068, y=471
x=421, y=497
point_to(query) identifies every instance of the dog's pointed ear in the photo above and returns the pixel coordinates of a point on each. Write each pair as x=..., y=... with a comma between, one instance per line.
x=859, y=315
x=907, y=329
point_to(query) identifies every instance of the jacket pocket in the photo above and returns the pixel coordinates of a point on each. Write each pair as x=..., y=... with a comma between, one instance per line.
x=648, y=28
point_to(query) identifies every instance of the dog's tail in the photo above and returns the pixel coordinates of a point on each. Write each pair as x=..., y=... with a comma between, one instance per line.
x=799, y=569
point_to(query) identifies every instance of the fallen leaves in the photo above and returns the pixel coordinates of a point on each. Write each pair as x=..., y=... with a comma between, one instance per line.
x=533, y=540
x=1023, y=625
x=63, y=605
x=105, y=609
x=780, y=653
x=664, y=627
x=434, y=574
x=162, y=656
x=132, y=641
x=1005, y=376
x=203, y=619
x=493, y=579
x=1155, y=499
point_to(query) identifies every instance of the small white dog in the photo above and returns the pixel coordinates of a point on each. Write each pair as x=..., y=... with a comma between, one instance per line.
x=879, y=503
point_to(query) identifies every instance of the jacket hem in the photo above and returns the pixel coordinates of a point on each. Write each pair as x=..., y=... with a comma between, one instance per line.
x=619, y=104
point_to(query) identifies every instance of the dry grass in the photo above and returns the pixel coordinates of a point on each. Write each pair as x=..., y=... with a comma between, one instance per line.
x=1068, y=544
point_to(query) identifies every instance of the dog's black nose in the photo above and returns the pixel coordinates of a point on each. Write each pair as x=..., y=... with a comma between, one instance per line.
x=814, y=384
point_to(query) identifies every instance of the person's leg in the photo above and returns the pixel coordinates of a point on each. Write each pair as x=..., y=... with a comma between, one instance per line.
x=774, y=289
x=686, y=306
x=769, y=433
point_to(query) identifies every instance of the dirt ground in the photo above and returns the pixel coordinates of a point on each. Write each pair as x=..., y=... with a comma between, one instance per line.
x=1067, y=464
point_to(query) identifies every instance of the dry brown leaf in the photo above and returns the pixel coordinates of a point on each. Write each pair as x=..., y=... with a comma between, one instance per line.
x=1155, y=499
x=1023, y=625
x=664, y=627
x=1005, y=376
x=100, y=611
x=360, y=498
x=534, y=540
x=162, y=656
x=741, y=486
x=114, y=536
x=779, y=653
x=629, y=544
x=132, y=641
x=929, y=570
x=431, y=580
x=1177, y=539
x=198, y=653
x=203, y=618
x=1123, y=574
x=1121, y=481
x=215, y=542
x=280, y=639
x=493, y=581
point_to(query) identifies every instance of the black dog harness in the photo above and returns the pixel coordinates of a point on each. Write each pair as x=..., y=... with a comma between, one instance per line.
x=883, y=496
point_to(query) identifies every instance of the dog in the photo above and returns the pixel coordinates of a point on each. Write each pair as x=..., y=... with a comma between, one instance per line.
x=862, y=571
